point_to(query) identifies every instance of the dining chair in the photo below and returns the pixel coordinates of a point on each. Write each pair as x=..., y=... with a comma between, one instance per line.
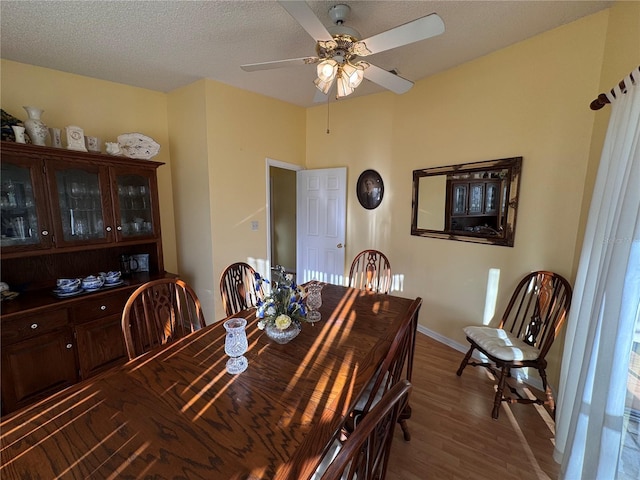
x=365, y=453
x=527, y=329
x=371, y=271
x=397, y=362
x=238, y=288
x=159, y=312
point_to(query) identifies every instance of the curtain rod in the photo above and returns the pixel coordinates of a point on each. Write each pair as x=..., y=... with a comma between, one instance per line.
x=602, y=99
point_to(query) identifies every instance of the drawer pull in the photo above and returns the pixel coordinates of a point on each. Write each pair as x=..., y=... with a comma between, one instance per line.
x=45, y=233
x=119, y=228
x=103, y=307
x=69, y=345
x=108, y=229
x=34, y=326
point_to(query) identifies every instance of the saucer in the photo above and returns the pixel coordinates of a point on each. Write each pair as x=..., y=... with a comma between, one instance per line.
x=62, y=294
x=93, y=289
x=113, y=284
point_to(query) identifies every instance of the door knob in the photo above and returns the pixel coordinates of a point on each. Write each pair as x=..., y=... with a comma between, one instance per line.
x=339, y=245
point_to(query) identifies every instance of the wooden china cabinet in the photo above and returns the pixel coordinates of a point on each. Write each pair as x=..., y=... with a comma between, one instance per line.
x=474, y=205
x=68, y=214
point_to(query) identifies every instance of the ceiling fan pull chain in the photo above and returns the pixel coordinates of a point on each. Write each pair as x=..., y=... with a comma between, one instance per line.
x=328, y=131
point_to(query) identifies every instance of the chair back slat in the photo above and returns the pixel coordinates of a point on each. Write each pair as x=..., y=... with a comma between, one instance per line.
x=238, y=288
x=365, y=453
x=537, y=309
x=399, y=358
x=371, y=270
x=159, y=312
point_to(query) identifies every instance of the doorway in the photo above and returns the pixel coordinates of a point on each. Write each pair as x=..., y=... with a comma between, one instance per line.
x=281, y=215
x=306, y=222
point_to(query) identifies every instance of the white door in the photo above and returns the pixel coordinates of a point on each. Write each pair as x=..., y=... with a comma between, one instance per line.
x=321, y=223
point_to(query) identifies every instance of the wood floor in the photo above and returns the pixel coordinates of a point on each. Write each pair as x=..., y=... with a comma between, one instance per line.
x=453, y=434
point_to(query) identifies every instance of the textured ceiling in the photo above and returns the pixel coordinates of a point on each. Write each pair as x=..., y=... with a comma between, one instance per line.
x=163, y=45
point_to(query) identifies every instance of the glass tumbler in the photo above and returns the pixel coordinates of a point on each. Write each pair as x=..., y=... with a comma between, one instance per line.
x=235, y=345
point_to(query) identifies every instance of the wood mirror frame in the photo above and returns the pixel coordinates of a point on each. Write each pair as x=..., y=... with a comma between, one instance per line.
x=471, y=202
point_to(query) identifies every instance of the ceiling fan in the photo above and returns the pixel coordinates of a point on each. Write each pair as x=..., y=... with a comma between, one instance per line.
x=339, y=49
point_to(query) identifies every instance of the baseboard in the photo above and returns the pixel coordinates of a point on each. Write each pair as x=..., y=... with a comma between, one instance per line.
x=519, y=373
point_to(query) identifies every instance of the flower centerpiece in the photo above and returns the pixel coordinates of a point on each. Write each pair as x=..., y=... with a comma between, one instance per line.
x=282, y=311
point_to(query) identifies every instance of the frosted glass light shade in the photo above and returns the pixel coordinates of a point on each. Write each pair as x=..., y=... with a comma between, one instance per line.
x=344, y=88
x=354, y=74
x=324, y=87
x=327, y=70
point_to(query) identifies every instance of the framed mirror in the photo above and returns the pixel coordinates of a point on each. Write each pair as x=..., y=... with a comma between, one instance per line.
x=471, y=202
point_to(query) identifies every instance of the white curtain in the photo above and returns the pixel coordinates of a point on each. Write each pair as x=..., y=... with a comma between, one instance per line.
x=606, y=304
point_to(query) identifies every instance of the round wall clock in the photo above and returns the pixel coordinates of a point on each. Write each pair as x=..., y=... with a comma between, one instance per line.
x=75, y=138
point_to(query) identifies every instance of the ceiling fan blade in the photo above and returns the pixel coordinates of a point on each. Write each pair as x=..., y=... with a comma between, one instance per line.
x=388, y=80
x=307, y=19
x=414, y=31
x=292, y=62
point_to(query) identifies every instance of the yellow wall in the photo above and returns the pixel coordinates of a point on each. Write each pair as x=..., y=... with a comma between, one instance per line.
x=103, y=109
x=528, y=100
x=191, y=188
x=220, y=139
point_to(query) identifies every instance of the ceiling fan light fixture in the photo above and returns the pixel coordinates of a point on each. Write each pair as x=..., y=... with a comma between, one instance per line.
x=327, y=70
x=323, y=86
x=344, y=88
x=354, y=73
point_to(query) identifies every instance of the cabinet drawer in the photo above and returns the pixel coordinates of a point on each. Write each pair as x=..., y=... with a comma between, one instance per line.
x=32, y=325
x=102, y=306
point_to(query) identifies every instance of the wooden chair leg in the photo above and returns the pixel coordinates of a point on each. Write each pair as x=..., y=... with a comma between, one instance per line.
x=405, y=430
x=405, y=415
x=497, y=401
x=465, y=360
x=549, y=400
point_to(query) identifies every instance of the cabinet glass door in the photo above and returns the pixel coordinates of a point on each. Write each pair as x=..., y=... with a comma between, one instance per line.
x=20, y=222
x=491, y=198
x=135, y=206
x=476, y=198
x=81, y=205
x=459, y=199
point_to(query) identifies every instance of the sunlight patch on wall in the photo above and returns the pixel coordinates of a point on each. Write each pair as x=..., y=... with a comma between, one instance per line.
x=493, y=281
x=397, y=282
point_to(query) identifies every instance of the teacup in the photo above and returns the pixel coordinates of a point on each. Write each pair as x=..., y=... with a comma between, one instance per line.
x=92, y=282
x=68, y=285
x=112, y=277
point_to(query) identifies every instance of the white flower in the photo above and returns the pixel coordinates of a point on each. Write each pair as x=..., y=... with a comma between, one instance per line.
x=261, y=324
x=270, y=311
x=282, y=321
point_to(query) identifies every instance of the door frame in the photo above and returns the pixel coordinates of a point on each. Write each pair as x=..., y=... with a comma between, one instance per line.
x=270, y=162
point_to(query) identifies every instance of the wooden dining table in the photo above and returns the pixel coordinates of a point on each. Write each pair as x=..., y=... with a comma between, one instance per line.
x=176, y=413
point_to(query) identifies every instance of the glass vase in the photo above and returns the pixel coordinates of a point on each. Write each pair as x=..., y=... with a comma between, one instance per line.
x=282, y=336
x=314, y=302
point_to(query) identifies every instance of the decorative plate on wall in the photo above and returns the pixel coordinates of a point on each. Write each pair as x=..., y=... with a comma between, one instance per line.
x=136, y=145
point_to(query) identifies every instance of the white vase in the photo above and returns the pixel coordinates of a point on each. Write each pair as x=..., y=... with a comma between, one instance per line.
x=36, y=129
x=18, y=132
x=56, y=137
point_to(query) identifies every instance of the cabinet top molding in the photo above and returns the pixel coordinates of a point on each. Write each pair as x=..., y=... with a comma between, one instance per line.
x=102, y=158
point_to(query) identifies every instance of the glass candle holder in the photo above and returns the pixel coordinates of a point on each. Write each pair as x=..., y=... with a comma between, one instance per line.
x=236, y=345
x=314, y=302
